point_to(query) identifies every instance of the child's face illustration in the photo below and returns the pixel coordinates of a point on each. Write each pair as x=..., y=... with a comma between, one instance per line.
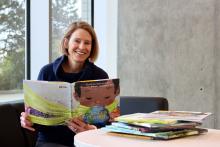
x=97, y=96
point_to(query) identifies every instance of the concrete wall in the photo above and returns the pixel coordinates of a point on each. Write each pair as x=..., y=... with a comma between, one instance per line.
x=171, y=48
x=217, y=64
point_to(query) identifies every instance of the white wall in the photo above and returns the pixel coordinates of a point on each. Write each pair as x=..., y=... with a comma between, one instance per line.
x=105, y=24
x=39, y=36
x=171, y=49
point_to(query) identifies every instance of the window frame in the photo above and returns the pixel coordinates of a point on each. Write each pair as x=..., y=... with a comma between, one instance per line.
x=28, y=41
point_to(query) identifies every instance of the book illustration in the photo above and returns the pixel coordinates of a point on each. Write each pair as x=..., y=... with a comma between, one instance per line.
x=97, y=115
x=96, y=96
x=52, y=103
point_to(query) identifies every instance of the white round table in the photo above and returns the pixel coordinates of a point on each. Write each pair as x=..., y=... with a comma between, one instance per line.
x=99, y=138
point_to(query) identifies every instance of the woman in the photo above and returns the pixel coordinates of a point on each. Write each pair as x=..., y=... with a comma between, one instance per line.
x=80, y=49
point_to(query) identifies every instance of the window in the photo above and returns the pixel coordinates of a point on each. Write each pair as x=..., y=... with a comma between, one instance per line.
x=48, y=21
x=12, y=46
x=63, y=13
x=48, y=26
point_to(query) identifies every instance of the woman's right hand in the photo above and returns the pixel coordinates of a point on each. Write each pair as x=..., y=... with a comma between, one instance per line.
x=25, y=122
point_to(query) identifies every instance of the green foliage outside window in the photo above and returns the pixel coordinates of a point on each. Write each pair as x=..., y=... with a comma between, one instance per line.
x=63, y=13
x=12, y=44
x=12, y=36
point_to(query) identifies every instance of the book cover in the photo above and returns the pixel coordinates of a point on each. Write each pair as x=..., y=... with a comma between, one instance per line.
x=164, y=117
x=151, y=128
x=182, y=115
x=157, y=135
x=52, y=103
x=130, y=135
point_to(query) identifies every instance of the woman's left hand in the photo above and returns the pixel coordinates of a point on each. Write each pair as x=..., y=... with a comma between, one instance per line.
x=77, y=125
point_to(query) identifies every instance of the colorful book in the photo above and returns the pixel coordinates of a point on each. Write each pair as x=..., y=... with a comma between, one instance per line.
x=182, y=115
x=163, y=125
x=164, y=117
x=130, y=135
x=53, y=103
x=149, y=128
x=158, y=135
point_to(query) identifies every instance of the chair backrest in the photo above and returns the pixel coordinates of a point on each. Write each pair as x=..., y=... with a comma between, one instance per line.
x=135, y=104
x=11, y=132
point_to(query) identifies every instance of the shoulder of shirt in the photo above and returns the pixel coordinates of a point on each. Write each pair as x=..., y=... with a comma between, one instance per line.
x=97, y=70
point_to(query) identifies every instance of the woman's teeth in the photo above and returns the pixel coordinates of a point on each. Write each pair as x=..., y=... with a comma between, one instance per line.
x=81, y=53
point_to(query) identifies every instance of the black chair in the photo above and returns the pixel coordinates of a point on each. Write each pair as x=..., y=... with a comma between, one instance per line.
x=11, y=132
x=135, y=104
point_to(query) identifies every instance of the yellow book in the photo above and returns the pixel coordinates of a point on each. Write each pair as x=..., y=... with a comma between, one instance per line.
x=53, y=103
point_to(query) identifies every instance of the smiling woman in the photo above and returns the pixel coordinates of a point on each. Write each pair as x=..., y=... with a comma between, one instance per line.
x=79, y=45
x=74, y=65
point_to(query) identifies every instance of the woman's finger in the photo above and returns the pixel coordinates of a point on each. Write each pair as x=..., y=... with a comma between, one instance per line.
x=25, y=123
x=77, y=125
x=27, y=127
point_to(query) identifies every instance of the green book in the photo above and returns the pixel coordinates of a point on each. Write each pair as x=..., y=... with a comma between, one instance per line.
x=158, y=135
x=164, y=117
x=150, y=128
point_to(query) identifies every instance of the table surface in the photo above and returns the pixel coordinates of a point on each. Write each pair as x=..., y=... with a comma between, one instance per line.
x=99, y=138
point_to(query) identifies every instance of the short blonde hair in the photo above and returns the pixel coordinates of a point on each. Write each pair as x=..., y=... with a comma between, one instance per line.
x=81, y=25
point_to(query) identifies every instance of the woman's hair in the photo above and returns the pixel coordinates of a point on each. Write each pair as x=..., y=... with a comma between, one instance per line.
x=85, y=26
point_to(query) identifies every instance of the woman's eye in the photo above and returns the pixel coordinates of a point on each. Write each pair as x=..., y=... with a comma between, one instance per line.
x=87, y=43
x=77, y=41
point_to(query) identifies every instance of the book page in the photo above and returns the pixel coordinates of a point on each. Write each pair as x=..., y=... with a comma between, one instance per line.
x=52, y=103
x=47, y=102
x=98, y=100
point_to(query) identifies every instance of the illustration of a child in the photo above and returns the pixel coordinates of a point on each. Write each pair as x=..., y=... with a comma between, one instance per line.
x=98, y=103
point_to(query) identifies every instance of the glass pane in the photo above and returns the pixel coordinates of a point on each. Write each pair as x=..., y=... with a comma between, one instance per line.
x=12, y=46
x=63, y=13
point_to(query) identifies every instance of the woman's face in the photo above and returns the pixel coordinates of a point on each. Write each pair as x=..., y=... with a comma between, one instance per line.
x=79, y=45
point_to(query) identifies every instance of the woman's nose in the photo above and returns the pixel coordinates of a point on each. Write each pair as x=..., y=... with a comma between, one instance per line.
x=81, y=45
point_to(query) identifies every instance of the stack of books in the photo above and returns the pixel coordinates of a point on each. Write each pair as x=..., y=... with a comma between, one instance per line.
x=158, y=125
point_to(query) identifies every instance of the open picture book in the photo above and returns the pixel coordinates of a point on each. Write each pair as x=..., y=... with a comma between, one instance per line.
x=53, y=103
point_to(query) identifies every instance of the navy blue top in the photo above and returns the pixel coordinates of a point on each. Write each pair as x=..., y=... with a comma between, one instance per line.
x=54, y=72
